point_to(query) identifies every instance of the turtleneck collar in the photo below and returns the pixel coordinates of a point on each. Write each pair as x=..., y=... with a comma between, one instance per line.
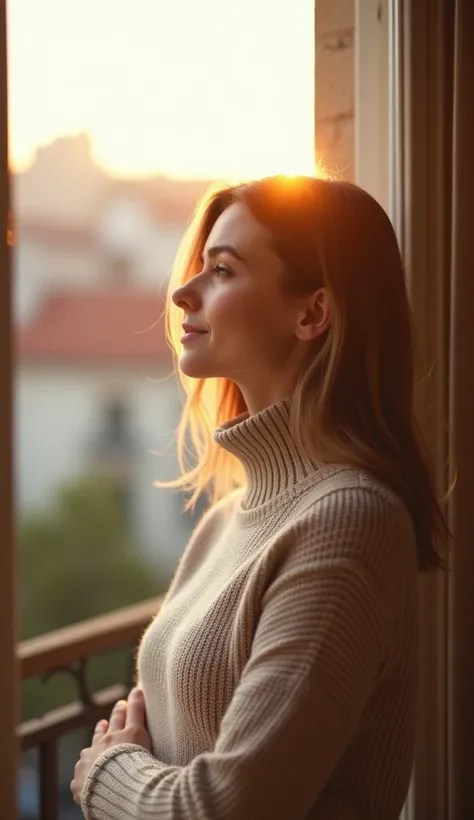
x=263, y=443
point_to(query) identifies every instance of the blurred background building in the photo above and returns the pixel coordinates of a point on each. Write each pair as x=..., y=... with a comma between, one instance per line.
x=95, y=392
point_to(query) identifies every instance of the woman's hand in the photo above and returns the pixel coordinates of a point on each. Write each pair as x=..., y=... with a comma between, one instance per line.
x=126, y=725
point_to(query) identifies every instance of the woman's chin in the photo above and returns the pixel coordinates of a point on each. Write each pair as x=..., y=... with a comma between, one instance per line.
x=196, y=369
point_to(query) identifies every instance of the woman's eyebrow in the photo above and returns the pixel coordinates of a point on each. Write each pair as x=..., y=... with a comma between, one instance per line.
x=217, y=249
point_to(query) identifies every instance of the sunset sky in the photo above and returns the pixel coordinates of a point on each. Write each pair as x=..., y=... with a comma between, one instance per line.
x=197, y=88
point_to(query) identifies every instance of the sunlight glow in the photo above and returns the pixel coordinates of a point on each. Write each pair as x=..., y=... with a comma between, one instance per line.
x=209, y=89
x=322, y=171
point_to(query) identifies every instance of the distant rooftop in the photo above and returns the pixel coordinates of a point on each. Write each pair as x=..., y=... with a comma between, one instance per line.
x=109, y=326
x=65, y=176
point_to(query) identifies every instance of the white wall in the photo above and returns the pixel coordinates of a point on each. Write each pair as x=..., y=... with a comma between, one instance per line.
x=28, y=287
x=127, y=227
x=39, y=268
x=158, y=253
x=58, y=410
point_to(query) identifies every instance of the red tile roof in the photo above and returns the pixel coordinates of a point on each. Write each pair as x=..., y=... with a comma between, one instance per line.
x=119, y=326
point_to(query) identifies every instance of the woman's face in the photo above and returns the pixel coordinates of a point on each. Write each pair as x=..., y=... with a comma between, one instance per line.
x=245, y=318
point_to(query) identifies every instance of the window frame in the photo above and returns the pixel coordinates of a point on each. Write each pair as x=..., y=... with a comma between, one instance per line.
x=383, y=97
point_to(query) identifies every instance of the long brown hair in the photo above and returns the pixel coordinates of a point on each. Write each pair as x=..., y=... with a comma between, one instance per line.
x=353, y=403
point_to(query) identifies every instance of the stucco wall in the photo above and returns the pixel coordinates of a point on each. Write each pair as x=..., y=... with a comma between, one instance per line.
x=334, y=85
x=57, y=412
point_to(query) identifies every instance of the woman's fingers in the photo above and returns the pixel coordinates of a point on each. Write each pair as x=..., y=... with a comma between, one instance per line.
x=131, y=713
x=117, y=718
x=100, y=730
x=136, y=715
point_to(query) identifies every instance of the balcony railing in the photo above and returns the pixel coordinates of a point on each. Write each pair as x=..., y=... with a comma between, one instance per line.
x=70, y=649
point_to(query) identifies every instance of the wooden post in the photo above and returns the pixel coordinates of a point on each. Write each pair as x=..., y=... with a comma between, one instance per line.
x=8, y=636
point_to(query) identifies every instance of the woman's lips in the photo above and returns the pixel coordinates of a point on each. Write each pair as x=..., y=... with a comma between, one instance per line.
x=192, y=335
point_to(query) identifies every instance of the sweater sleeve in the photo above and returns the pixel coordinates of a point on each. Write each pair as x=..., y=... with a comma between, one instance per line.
x=318, y=649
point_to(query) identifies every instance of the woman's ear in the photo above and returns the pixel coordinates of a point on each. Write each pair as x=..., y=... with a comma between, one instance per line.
x=314, y=319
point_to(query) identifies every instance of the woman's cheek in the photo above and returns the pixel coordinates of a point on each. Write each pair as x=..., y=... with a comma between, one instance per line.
x=226, y=308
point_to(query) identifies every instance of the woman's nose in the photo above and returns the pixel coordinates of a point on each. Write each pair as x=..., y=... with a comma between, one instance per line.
x=185, y=297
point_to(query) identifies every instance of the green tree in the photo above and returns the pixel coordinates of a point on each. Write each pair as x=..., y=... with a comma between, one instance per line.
x=78, y=560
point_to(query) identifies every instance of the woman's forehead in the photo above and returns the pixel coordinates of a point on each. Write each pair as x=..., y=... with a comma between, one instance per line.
x=238, y=227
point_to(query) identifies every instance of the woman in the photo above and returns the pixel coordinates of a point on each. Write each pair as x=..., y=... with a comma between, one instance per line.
x=277, y=680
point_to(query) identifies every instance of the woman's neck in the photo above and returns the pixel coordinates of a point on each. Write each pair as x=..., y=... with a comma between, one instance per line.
x=264, y=444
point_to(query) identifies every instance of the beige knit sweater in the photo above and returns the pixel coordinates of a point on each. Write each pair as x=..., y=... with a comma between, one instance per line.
x=279, y=672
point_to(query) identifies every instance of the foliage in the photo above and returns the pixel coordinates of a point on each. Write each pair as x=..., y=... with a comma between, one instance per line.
x=78, y=560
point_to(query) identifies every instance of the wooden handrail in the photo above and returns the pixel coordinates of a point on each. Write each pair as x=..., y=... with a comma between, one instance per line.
x=86, y=638
x=60, y=721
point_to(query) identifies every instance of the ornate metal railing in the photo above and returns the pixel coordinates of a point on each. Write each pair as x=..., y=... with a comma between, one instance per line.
x=69, y=650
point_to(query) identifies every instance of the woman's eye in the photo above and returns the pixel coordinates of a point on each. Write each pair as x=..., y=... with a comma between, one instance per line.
x=220, y=268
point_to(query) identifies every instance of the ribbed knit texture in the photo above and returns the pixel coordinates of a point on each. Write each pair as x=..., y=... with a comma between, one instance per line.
x=279, y=673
